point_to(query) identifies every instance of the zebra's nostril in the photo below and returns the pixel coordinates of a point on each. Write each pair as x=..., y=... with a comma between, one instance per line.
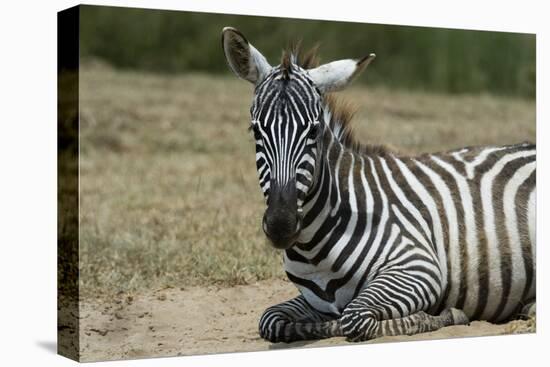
x=281, y=227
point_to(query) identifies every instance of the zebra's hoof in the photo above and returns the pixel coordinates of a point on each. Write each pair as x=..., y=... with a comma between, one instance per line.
x=458, y=317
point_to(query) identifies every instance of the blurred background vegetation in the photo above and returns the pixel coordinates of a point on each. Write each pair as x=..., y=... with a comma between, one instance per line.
x=168, y=189
x=430, y=59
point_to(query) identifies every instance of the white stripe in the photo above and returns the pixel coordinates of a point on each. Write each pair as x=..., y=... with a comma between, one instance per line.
x=285, y=151
x=413, y=231
x=428, y=201
x=301, y=187
x=509, y=206
x=532, y=237
x=380, y=230
x=406, y=203
x=450, y=213
x=345, y=293
x=345, y=238
x=493, y=250
x=532, y=220
x=472, y=254
x=336, y=181
x=479, y=159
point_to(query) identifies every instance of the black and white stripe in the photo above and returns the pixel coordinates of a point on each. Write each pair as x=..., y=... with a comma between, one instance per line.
x=285, y=118
x=398, y=235
x=385, y=244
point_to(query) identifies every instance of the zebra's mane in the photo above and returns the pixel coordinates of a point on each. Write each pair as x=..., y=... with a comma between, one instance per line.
x=294, y=54
x=338, y=112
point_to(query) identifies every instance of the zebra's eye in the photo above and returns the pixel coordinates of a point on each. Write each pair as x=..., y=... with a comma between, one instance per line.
x=313, y=132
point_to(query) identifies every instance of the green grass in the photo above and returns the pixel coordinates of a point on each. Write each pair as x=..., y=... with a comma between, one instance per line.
x=169, y=192
x=420, y=58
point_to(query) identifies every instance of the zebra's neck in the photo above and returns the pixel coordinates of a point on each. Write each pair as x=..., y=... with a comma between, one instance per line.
x=342, y=211
x=339, y=195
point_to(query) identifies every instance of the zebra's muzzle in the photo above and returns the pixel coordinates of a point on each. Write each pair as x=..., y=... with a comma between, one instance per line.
x=282, y=221
x=282, y=230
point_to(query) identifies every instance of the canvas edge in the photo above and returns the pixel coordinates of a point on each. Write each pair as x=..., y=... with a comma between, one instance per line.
x=68, y=55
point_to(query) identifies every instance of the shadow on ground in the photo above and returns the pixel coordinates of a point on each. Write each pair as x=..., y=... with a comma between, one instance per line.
x=48, y=345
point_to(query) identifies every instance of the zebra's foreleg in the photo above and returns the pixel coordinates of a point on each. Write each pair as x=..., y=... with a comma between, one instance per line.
x=378, y=311
x=421, y=322
x=366, y=325
x=295, y=320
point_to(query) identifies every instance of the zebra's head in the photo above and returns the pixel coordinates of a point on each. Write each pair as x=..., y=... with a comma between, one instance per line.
x=287, y=120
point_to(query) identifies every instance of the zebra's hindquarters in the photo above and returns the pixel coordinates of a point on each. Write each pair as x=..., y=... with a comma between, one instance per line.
x=492, y=272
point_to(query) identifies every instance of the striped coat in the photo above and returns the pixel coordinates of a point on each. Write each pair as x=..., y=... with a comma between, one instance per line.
x=379, y=243
x=469, y=213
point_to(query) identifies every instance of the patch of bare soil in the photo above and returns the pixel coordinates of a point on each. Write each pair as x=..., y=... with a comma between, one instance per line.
x=204, y=320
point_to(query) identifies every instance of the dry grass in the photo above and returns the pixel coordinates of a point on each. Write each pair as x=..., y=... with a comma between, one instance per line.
x=169, y=193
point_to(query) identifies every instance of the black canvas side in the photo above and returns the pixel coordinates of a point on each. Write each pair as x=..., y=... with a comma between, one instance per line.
x=68, y=344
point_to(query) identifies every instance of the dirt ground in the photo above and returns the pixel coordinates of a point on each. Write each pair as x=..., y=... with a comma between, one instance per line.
x=204, y=320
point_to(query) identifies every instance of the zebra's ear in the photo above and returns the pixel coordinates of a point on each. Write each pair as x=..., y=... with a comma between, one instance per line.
x=245, y=61
x=337, y=75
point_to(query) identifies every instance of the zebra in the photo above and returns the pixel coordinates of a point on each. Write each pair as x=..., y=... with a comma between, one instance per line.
x=377, y=243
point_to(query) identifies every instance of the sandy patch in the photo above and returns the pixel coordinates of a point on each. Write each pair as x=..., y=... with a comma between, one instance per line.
x=203, y=320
